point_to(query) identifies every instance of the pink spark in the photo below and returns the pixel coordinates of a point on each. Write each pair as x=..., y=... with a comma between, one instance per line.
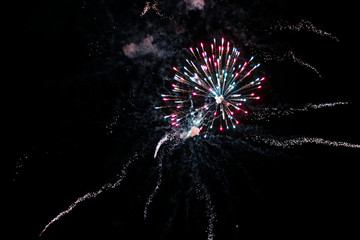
x=194, y=94
x=175, y=69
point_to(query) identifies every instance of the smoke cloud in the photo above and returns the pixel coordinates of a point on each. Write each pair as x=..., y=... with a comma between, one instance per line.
x=145, y=47
x=195, y=4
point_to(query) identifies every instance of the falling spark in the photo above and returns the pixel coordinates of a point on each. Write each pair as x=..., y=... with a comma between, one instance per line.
x=21, y=160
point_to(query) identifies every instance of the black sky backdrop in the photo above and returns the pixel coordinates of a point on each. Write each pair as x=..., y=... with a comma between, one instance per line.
x=80, y=108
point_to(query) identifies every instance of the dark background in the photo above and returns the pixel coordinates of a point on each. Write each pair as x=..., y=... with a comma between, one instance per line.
x=79, y=108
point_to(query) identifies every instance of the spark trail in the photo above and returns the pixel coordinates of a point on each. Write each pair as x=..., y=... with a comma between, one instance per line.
x=288, y=143
x=94, y=194
x=278, y=112
x=162, y=140
x=303, y=24
x=203, y=194
x=289, y=55
x=167, y=137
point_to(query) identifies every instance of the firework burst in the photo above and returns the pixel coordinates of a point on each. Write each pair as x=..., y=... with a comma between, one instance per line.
x=212, y=89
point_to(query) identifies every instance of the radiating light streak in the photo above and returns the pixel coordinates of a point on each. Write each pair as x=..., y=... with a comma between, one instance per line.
x=211, y=89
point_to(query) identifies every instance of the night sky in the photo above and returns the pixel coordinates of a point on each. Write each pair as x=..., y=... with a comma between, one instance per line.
x=86, y=76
